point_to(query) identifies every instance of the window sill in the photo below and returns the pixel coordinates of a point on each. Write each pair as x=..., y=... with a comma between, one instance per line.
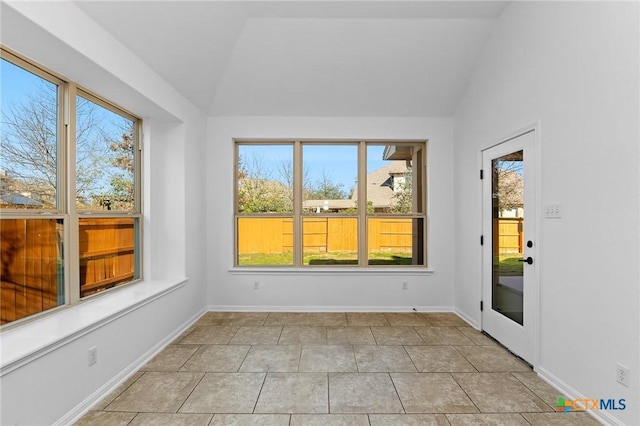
x=329, y=271
x=24, y=344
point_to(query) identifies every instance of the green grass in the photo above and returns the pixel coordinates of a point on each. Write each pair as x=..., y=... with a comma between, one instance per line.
x=509, y=264
x=333, y=258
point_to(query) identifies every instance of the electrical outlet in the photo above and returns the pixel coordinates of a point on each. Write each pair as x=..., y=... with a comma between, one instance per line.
x=553, y=211
x=93, y=355
x=405, y=285
x=256, y=285
x=622, y=375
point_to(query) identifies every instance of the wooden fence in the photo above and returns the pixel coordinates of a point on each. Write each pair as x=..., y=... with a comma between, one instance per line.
x=107, y=254
x=31, y=267
x=30, y=261
x=509, y=233
x=328, y=234
x=323, y=234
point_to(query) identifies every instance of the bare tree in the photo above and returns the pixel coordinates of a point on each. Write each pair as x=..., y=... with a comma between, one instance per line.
x=29, y=145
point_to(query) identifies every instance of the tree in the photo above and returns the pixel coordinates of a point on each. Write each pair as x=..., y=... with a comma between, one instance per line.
x=326, y=189
x=508, y=180
x=402, y=199
x=121, y=195
x=258, y=192
x=29, y=149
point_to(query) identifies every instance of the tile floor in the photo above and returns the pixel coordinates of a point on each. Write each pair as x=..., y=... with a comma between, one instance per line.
x=232, y=368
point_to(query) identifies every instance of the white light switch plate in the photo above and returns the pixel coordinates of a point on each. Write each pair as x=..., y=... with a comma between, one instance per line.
x=553, y=211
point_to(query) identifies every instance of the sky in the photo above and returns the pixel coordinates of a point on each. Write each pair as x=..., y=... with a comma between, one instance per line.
x=17, y=84
x=337, y=162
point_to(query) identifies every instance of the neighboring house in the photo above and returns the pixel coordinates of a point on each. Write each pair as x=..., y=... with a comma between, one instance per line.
x=382, y=185
x=13, y=200
x=16, y=194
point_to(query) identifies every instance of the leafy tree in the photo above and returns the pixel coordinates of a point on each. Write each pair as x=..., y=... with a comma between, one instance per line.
x=326, y=189
x=508, y=179
x=354, y=210
x=122, y=184
x=402, y=199
x=258, y=192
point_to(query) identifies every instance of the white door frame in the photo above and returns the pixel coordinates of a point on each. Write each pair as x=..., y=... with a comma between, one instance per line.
x=535, y=282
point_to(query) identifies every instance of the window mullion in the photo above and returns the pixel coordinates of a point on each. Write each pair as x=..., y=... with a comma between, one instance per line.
x=362, y=204
x=297, y=204
x=72, y=261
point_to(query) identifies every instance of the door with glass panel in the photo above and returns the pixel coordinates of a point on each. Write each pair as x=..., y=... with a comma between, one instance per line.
x=509, y=238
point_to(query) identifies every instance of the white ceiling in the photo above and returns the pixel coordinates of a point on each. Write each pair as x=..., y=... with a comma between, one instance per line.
x=307, y=58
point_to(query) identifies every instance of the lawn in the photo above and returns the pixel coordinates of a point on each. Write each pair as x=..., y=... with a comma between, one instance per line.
x=509, y=264
x=333, y=258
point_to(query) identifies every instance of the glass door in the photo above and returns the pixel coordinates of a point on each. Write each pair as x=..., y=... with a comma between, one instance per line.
x=508, y=251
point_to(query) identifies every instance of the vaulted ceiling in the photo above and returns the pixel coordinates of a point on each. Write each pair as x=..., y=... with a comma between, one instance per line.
x=307, y=58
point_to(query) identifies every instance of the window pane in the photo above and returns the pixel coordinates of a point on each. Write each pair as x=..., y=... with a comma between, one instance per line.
x=330, y=240
x=395, y=241
x=29, y=143
x=265, y=241
x=105, y=158
x=32, y=267
x=329, y=178
x=108, y=253
x=265, y=179
x=394, y=178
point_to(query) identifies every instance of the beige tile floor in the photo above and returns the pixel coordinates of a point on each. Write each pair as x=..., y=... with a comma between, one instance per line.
x=332, y=369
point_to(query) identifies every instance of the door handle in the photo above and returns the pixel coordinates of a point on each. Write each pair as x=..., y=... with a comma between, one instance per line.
x=529, y=260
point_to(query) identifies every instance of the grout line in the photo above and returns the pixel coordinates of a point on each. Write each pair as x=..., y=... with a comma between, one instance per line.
x=280, y=335
x=465, y=358
x=260, y=393
x=200, y=348
x=530, y=390
x=244, y=359
x=132, y=419
x=397, y=394
x=328, y=395
x=466, y=393
x=411, y=359
x=190, y=393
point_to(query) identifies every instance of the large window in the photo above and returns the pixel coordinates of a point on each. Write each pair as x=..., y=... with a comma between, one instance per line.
x=69, y=192
x=309, y=203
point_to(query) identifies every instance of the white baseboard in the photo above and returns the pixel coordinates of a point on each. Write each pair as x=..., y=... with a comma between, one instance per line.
x=467, y=318
x=81, y=409
x=262, y=308
x=571, y=393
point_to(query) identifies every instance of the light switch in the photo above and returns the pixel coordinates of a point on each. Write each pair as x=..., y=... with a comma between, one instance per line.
x=553, y=211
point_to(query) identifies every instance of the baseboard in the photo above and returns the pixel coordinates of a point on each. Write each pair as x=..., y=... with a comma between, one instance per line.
x=467, y=318
x=81, y=409
x=571, y=393
x=262, y=308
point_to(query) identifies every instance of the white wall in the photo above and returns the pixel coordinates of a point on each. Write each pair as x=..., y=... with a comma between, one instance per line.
x=572, y=66
x=317, y=290
x=55, y=384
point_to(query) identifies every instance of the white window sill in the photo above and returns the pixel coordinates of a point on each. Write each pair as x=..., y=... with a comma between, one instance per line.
x=26, y=343
x=330, y=271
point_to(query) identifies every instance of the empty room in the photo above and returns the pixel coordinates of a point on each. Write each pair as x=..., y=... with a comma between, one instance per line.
x=319, y=212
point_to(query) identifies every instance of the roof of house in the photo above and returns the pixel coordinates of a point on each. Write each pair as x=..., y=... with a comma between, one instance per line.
x=380, y=184
x=14, y=199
